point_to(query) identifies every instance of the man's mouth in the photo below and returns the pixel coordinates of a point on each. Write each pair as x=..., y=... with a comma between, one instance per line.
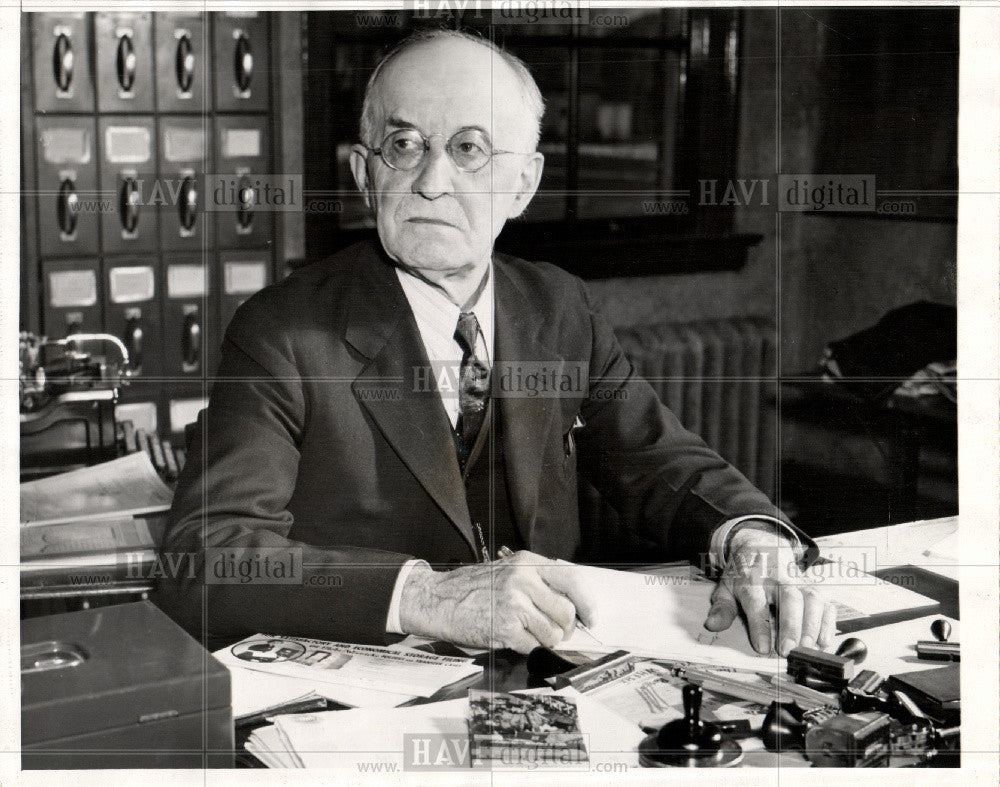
x=430, y=220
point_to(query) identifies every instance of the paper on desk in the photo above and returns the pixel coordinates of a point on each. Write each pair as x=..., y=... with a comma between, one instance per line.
x=942, y=557
x=647, y=695
x=893, y=648
x=664, y=616
x=254, y=691
x=651, y=695
x=343, y=739
x=910, y=543
x=659, y=616
x=266, y=745
x=129, y=485
x=365, y=668
x=109, y=536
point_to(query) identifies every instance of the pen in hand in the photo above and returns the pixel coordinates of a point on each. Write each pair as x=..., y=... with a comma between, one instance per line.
x=506, y=551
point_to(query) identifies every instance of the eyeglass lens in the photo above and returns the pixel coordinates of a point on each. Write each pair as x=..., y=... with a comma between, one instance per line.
x=406, y=148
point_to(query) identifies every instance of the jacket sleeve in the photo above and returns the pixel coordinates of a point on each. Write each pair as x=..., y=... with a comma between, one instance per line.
x=233, y=570
x=664, y=481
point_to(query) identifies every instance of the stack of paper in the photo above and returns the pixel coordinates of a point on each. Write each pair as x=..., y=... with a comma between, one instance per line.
x=429, y=737
x=268, y=669
x=253, y=692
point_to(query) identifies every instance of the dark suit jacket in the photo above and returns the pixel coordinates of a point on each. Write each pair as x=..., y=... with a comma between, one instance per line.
x=319, y=435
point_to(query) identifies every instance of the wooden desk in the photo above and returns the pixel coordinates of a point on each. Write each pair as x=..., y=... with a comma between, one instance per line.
x=505, y=670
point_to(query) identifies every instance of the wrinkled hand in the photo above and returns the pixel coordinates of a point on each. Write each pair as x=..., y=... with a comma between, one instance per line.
x=761, y=573
x=520, y=602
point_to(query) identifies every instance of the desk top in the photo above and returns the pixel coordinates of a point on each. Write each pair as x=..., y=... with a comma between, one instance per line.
x=924, y=554
x=891, y=648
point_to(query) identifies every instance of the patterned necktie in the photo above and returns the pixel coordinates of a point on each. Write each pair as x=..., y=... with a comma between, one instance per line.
x=473, y=386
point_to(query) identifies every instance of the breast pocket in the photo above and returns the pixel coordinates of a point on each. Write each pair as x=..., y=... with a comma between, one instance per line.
x=569, y=442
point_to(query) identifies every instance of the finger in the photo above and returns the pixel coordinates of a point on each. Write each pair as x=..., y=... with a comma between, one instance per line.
x=812, y=618
x=569, y=579
x=557, y=607
x=828, y=628
x=520, y=640
x=753, y=600
x=540, y=626
x=724, y=608
x=790, y=606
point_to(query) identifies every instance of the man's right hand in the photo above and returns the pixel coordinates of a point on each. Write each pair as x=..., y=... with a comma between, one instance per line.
x=520, y=602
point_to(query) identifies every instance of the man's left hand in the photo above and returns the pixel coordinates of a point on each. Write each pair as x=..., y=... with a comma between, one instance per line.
x=762, y=573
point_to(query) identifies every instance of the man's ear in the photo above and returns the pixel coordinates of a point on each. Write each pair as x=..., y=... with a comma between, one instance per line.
x=359, y=169
x=527, y=184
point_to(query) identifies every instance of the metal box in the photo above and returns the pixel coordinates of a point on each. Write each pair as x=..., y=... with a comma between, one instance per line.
x=121, y=687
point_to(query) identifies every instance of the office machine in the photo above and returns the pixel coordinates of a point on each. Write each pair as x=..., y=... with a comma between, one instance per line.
x=71, y=407
x=68, y=390
x=121, y=687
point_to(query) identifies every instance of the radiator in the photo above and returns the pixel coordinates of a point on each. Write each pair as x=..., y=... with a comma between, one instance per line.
x=719, y=377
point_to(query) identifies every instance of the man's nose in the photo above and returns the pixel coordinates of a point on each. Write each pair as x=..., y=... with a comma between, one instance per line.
x=434, y=176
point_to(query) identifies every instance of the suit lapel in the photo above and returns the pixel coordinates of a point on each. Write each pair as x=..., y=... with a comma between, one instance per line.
x=525, y=420
x=404, y=404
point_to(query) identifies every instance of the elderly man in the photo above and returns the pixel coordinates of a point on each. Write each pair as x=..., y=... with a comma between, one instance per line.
x=438, y=504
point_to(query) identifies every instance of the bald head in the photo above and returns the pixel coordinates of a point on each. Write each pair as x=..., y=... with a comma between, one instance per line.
x=465, y=65
x=438, y=99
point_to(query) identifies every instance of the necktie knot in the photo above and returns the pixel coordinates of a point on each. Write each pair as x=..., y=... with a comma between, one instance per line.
x=467, y=331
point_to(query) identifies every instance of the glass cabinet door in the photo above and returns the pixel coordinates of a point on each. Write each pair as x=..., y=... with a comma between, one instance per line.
x=640, y=103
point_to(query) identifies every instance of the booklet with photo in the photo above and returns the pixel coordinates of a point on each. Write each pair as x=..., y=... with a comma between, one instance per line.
x=516, y=729
x=371, y=667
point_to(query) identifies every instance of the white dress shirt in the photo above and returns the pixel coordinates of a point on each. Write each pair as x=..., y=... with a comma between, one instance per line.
x=437, y=317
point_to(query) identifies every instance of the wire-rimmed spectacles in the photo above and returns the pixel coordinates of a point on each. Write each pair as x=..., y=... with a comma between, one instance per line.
x=469, y=148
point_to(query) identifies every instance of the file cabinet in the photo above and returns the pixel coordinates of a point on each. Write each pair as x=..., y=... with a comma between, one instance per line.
x=145, y=136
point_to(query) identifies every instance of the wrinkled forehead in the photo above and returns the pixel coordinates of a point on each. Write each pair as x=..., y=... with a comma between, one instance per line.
x=445, y=85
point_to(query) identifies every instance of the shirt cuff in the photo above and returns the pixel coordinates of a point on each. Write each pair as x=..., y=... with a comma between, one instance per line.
x=392, y=624
x=718, y=550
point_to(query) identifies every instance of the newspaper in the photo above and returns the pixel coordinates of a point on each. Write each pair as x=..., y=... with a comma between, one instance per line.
x=126, y=486
x=370, y=667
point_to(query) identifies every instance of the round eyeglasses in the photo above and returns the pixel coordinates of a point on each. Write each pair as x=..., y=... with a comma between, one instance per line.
x=469, y=148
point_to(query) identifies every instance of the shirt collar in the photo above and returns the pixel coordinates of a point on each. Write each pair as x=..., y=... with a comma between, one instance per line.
x=434, y=312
